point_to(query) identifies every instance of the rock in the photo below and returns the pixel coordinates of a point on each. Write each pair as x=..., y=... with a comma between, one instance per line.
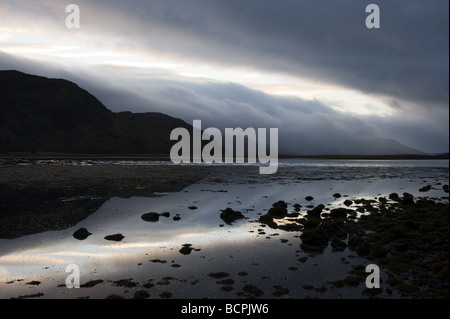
x=290, y=227
x=280, y=203
x=445, y=188
x=425, y=188
x=309, y=198
x=425, y=229
x=316, y=237
x=408, y=199
x=435, y=284
x=268, y=220
x=425, y=247
x=311, y=222
x=278, y=212
x=154, y=217
x=115, y=237
x=165, y=214
x=141, y=294
x=315, y=212
x=297, y=207
x=348, y=202
x=355, y=240
x=338, y=245
x=340, y=212
x=402, y=247
x=229, y=216
x=394, y=196
x=150, y=217
x=337, y=195
x=81, y=234
x=186, y=249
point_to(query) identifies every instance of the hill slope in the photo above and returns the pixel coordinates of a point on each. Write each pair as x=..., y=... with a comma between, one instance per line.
x=54, y=115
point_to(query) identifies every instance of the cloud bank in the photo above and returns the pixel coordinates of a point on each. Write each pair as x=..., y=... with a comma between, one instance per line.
x=403, y=65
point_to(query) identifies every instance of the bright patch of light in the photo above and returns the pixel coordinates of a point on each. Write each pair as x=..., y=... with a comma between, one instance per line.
x=80, y=50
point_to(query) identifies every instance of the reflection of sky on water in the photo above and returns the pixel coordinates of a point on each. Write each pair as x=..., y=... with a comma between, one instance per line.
x=44, y=256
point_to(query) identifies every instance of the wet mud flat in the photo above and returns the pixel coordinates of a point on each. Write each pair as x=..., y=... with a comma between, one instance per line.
x=36, y=198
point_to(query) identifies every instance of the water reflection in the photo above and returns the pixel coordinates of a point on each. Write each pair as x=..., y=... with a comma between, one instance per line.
x=152, y=249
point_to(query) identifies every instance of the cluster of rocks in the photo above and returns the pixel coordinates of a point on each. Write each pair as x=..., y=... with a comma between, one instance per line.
x=407, y=236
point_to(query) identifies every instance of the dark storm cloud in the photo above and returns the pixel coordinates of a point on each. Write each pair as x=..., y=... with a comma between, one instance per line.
x=407, y=58
x=305, y=127
x=405, y=62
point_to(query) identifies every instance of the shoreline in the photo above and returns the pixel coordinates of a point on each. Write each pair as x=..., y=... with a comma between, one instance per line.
x=165, y=157
x=285, y=250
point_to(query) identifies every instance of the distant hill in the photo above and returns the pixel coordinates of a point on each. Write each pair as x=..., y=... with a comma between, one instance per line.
x=53, y=115
x=44, y=115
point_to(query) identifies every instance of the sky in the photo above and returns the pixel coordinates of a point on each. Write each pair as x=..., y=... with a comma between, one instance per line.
x=312, y=69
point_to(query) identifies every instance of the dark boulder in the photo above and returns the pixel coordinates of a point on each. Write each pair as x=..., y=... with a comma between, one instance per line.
x=348, y=202
x=425, y=188
x=81, y=234
x=115, y=237
x=186, y=249
x=154, y=217
x=150, y=217
x=278, y=210
x=394, y=196
x=408, y=199
x=229, y=215
x=316, y=211
x=340, y=212
x=268, y=220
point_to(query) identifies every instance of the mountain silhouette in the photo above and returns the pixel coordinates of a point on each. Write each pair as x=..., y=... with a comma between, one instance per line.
x=39, y=114
x=54, y=115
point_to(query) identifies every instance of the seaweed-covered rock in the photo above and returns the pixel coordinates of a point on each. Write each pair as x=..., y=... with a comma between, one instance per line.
x=290, y=227
x=314, y=240
x=268, y=220
x=340, y=212
x=115, y=237
x=348, y=202
x=315, y=212
x=150, y=217
x=81, y=234
x=154, y=217
x=186, y=249
x=425, y=188
x=394, y=196
x=408, y=199
x=278, y=212
x=229, y=215
x=279, y=209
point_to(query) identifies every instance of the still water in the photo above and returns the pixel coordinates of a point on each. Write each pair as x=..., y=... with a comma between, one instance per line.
x=150, y=251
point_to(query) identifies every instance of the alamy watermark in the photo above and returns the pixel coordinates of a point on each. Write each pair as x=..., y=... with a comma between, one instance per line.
x=373, y=280
x=73, y=279
x=234, y=153
x=73, y=19
x=373, y=19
